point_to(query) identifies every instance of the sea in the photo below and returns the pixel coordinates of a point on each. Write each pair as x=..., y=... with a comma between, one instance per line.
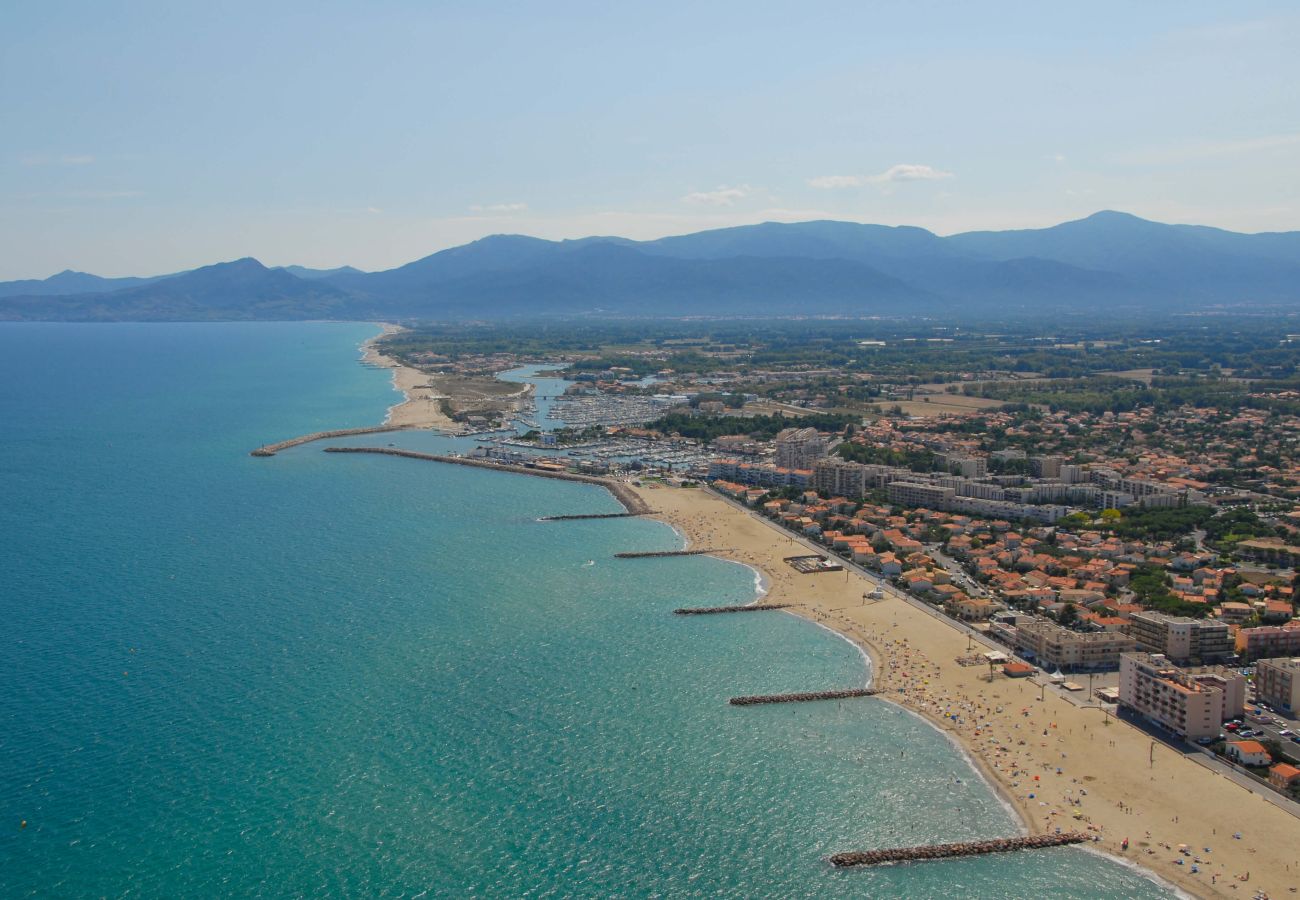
x=325, y=675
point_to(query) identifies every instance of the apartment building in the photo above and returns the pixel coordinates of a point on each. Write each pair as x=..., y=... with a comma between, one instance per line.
x=1269, y=641
x=913, y=493
x=840, y=478
x=1181, y=639
x=1277, y=683
x=1191, y=703
x=963, y=464
x=1055, y=647
x=799, y=448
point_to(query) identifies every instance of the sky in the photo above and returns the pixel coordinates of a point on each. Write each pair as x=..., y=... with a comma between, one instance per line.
x=142, y=138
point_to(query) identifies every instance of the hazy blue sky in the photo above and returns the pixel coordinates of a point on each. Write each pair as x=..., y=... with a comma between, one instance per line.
x=146, y=137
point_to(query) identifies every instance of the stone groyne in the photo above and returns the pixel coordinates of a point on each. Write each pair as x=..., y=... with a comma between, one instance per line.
x=272, y=449
x=962, y=848
x=758, y=699
x=650, y=554
x=622, y=515
x=710, y=610
x=622, y=493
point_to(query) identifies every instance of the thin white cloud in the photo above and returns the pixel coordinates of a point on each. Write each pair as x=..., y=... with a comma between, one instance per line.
x=723, y=196
x=894, y=174
x=499, y=208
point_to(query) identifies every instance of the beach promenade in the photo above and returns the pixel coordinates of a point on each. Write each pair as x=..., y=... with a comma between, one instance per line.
x=1058, y=765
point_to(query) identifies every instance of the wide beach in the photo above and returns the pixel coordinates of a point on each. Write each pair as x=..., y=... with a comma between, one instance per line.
x=1059, y=765
x=422, y=407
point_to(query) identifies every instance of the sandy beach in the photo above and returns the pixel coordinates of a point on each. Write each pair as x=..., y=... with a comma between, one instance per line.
x=422, y=406
x=1058, y=765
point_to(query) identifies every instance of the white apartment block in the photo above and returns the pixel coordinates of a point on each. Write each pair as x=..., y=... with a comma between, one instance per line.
x=1181, y=639
x=1191, y=703
x=799, y=448
x=1055, y=647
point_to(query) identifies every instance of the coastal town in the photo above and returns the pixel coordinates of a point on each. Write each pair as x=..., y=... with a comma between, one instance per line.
x=678, y=450
x=1128, y=545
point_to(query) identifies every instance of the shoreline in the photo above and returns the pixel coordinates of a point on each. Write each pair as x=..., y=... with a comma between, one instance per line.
x=421, y=406
x=1038, y=756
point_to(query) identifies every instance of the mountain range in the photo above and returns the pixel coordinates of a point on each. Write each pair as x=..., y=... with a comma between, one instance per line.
x=1107, y=262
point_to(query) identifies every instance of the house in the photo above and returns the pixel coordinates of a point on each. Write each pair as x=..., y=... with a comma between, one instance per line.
x=971, y=609
x=918, y=580
x=1277, y=611
x=1284, y=777
x=1248, y=753
x=890, y=566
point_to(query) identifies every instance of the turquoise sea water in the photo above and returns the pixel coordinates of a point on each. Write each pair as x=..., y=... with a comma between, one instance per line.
x=322, y=675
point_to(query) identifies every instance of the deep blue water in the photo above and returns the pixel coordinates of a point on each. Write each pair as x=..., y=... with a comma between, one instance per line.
x=323, y=675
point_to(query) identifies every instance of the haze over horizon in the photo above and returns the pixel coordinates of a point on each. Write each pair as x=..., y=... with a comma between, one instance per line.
x=165, y=139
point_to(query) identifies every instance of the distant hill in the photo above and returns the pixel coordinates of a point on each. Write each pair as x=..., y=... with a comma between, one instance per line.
x=312, y=274
x=69, y=282
x=1109, y=261
x=243, y=289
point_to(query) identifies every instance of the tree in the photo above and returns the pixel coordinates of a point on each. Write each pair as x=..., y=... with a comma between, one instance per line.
x=1069, y=614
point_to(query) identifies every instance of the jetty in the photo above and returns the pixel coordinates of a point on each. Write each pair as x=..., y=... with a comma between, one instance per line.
x=656, y=553
x=622, y=515
x=272, y=449
x=758, y=699
x=622, y=493
x=959, y=849
x=710, y=610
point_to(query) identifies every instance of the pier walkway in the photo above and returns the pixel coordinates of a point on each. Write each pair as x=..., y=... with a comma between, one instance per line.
x=758, y=699
x=622, y=493
x=953, y=851
x=272, y=449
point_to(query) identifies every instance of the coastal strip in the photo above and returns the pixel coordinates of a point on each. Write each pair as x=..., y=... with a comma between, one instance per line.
x=711, y=610
x=622, y=493
x=951, y=851
x=803, y=697
x=1054, y=762
x=421, y=405
x=272, y=449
